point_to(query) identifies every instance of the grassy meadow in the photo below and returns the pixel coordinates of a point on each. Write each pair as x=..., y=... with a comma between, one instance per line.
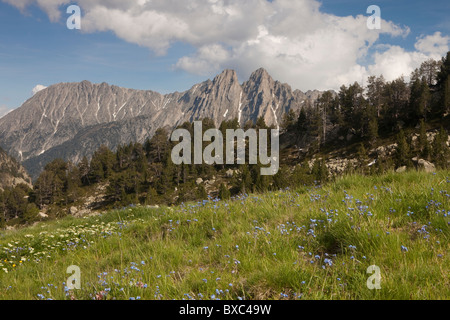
x=307, y=243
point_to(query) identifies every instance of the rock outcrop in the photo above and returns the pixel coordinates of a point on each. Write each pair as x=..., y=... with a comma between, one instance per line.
x=72, y=120
x=11, y=172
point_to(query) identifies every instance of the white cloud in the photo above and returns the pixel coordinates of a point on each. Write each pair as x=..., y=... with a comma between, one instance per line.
x=51, y=7
x=293, y=40
x=207, y=58
x=38, y=88
x=396, y=61
x=434, y=45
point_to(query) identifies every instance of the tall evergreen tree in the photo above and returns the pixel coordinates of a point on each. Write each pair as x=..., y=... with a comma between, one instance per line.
x=224, y=193
x=441, y=151
x=320, y=171
x=353, y=104
x=372, y=130
x=362, y=157
x=419, y=100
x=325, y=103
x=302, y=121
x=375, y=89
x=158, y=146
x=102, y=163
x=83, y=168
x=403, y=150
x=396, y=96
x=443, y=86
x=428, y=71
x=424, y=146
x=288, y=120
x=245, y=179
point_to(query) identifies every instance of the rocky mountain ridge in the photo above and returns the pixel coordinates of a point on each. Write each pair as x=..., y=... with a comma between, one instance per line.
x=72, y=120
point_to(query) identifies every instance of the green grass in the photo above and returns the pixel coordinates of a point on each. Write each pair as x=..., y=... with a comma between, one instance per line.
x=310, y=243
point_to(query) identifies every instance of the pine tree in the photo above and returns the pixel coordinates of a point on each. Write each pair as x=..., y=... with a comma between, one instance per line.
x=443, y=86
x=301, y=175
x=261, y=123
x=424, y=146
x=419, y=99
x=151, y=197
x=43, y=189
x=165, y=182
x=102, y=163
x=326, y=104
x=201, y=192
x=446, y=96
x=224, y=193
x=72, y=188
x=96, y=172
x=115, y=192
x=441, y=151
x=375, y=88
x=403, y=150
x=396, y=103
x=30, y=214
x=428, y=71
x=288, y=120
x=260, y=182
x=83, y=168
x=158, y=146
x=302, y=121
x=362, y=157
x=320, y=171
x=372, y=133
x=317, y=129
x=282, y=179
x=245, y=179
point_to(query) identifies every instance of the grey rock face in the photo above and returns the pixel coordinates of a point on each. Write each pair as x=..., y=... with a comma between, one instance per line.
x=72, y=120
x=11, y=172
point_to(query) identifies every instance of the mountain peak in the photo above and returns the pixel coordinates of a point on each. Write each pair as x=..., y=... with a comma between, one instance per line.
x=71, y=120
x=260, y=75
x=226, y=75
x=85, y=84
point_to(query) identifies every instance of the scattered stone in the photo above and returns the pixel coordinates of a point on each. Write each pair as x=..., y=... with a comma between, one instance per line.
x=385, y=151
x=43, y=215
x=401, y=169
x=337, y=166
x=426, y=165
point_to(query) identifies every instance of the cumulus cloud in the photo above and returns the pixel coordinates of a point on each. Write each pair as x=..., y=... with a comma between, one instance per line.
x=433, y=45
x=294, y=40
x=38, y=88
x=396, y=61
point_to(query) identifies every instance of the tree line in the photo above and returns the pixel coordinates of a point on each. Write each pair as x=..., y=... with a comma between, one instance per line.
x=381, y=108
x=144, y=173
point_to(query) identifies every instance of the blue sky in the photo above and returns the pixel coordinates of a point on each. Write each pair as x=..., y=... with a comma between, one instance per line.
x=120, y=45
